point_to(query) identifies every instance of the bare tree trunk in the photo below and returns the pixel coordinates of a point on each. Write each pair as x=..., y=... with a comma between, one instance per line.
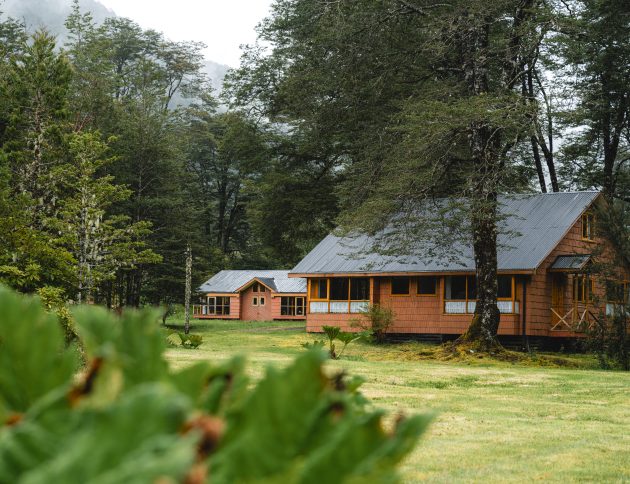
x=188, y=288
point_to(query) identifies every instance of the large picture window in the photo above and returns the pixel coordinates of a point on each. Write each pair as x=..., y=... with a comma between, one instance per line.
x=292, y=306
x=219, y=305
x=339, y=295
x=460, y=294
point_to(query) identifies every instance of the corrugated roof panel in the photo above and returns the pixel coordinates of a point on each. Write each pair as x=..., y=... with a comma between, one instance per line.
x=229, y=281
x=533, y=225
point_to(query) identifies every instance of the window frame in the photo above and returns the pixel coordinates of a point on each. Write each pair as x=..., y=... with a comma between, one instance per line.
x=583, y=293
x=224, y=302
x=261, y=300
x=318, y=280
x=291, y=305
x=468, y=299
x=588, y=226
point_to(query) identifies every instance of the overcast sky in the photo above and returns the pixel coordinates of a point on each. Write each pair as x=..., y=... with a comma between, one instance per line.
x=221, y=24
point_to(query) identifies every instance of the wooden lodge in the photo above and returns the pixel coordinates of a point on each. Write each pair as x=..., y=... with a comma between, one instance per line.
x=545, y=286
x=252, y=296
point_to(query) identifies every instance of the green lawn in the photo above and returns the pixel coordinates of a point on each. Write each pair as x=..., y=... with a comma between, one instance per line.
x=495, y=421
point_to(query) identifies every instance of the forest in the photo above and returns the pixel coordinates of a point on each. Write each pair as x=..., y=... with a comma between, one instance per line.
x=116, y=154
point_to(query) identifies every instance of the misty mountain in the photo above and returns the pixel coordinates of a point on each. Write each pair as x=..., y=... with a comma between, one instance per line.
x=51, y=14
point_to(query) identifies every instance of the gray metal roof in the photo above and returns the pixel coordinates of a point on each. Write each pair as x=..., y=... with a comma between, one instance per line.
x=570, y=263
x=534, y=224
x=230, y=281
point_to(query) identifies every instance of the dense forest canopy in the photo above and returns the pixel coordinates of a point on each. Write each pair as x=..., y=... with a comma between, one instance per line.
x=344, y=113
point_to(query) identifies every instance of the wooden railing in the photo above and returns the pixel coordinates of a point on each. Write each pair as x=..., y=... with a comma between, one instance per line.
x=200, y=310
x=577, y=319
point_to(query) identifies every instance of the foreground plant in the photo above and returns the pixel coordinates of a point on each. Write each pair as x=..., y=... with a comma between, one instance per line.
x=128, y=418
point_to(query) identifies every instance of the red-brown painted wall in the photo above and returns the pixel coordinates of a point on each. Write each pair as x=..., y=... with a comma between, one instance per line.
x=249, y=312
x=424, y=314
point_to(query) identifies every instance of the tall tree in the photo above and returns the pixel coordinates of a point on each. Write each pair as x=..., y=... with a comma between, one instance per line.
x=595, y=45
x=35, y=84
x=418, y=99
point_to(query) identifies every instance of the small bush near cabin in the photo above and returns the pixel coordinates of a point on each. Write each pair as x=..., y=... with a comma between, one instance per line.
x=126, y=416
x=375, y=321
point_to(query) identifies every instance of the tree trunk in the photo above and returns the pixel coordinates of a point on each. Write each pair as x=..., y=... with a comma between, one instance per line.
x=188, y=289
x=485, y=149
x=485, y=324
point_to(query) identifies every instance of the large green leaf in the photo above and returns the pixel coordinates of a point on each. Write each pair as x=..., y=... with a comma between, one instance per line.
x=32, y=357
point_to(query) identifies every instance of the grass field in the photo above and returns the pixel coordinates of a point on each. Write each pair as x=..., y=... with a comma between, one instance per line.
x=495, y=421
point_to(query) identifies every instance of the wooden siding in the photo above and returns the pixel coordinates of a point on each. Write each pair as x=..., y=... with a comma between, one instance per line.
x=235, y=307
x=249, y=312
x=425, y=314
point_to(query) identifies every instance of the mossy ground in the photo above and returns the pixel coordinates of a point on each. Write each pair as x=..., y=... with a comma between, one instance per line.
x=499, y=418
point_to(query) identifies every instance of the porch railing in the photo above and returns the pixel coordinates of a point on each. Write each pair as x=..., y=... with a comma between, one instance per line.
x=577, y=319
x=200, y=310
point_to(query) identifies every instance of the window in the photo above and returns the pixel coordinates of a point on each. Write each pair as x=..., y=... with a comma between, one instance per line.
x=261, y=301
x=219, y=305
x=583, y=288
x=255, y=301
x=617, y=292
x=339, y=287
x=319, y=289
x=359, y=289
x=292, y=306
x=504, y=287
x=400, y=286
x=427, y=286
x=342, y=295
x=455, y=287
x=258, y=287
x=588, y=226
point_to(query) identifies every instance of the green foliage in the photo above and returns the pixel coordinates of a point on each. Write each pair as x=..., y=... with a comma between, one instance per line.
x=129, y=418
x=375, y=322
x=32, y=361
x=334, y=333
x=54, y=300
x=189, y=340
x=314, y=345
x=331, y=333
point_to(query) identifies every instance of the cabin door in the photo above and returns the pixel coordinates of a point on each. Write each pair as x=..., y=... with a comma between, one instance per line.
x=558, y=284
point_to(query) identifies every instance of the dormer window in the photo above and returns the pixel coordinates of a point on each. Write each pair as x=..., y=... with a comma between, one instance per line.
x=257, y=287
x=588, y=226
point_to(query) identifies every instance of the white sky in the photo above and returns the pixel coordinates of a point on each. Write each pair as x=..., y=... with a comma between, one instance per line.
x=221, y=24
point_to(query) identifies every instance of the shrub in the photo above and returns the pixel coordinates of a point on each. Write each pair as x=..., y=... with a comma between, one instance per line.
x=54, y=301
x=185, y=340
x=334, y=333
x=375, y=321
x=130, y=417
x=331, y=332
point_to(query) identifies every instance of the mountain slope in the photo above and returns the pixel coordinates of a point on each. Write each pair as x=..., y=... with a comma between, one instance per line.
x=52, y=14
